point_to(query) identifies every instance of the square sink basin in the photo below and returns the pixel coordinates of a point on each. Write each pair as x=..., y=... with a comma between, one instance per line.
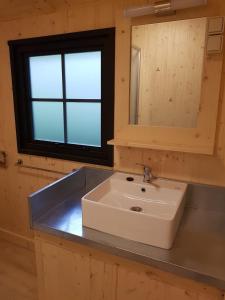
x=125, y=206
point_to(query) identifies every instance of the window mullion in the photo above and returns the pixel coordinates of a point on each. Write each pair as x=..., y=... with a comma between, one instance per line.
x=85, y=100
x=64, y=98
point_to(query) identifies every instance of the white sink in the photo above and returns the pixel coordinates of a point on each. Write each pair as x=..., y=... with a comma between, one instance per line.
x=135, y=210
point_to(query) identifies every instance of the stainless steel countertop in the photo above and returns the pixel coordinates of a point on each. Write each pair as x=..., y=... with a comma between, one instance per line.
x=199, y=248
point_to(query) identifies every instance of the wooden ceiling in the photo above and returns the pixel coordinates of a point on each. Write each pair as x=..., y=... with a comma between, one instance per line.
x=13, y=9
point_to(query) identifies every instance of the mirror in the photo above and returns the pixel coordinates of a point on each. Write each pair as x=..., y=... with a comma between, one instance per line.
x=167, y=64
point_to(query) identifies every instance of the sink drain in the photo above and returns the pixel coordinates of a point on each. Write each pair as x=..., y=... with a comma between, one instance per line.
x=136, y=208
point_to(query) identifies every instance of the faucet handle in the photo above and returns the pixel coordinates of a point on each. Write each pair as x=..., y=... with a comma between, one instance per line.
x=148, y=170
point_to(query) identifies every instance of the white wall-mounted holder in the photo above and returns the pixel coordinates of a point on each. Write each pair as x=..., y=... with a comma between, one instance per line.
x=215, y=35
x=160, y=7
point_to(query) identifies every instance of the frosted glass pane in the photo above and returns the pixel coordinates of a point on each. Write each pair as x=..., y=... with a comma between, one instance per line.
x=83, y=75
x=46, y=76
x=84, y=123
x=48, y=121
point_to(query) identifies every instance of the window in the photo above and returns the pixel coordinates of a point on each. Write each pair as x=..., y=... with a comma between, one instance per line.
x=63, y=89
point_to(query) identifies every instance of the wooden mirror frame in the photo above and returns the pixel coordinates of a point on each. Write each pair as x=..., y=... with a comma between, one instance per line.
x=193, y=140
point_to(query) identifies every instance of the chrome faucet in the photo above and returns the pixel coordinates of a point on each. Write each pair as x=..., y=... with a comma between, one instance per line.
x=148, y=176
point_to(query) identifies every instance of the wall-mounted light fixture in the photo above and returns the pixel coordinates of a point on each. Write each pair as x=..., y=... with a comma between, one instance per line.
x=162, y=7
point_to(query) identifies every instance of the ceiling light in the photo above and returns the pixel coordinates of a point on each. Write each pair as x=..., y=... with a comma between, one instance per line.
x=162, y=7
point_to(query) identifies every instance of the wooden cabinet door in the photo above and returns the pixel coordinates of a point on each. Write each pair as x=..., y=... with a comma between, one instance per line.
x=67, y=275
x=81, y=274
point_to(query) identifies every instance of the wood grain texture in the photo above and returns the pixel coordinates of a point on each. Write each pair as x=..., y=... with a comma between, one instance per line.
x=17, y=272
x=14, y=9
x=200, y=139
x=73, y=275
x=16, y=239
x=71, y=271
x=15, y=183
x=177, y=165
x=171, y=72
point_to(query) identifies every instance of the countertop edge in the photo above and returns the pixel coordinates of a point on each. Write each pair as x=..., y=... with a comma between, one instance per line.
x=152, y=262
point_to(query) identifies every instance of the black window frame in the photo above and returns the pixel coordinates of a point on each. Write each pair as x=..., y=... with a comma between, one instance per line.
x=94, y=40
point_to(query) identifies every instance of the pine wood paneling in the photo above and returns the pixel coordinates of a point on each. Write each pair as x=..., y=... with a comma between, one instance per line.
x=171, y=72
x=73, y=275
x=16, y=184
x=71, y=271
x=15, y=9
x=18, y=278
x=194, y=140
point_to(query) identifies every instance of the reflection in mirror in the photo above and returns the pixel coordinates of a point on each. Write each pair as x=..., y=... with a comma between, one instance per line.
x=135, y=83
x=167, y=62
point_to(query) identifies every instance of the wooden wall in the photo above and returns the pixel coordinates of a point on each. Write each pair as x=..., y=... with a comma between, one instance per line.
x=171, y=72
x=16, y=184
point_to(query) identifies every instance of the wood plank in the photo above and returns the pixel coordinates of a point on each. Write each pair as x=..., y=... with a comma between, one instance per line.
x=17, y=272
x=132, y=285
x=96, y=279
x=82, y=275
x=171, y=72
x=17, y=184
x=93, y=274
x=110, y=281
